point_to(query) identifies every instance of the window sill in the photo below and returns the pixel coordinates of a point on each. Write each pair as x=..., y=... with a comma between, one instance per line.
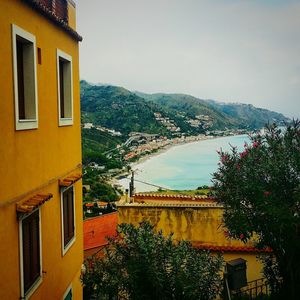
x=68, y=246
x=65, y=122
x=26, y=124
x=34, y=287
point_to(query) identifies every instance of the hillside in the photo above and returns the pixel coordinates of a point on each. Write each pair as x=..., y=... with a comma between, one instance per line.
x=112, y=114
x=232, y=114
x=119, y=109
x=249, y=115
x=124, y=111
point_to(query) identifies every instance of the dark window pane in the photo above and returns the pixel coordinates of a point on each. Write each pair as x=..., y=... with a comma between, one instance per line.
x=20, y=71
x=68, y=215
x=31, y=250
x=61, y=89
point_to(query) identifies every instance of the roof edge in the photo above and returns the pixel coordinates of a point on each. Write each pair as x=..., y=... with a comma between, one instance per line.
x=35, y=4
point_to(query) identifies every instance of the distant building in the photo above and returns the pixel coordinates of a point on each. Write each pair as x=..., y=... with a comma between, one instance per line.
x=196, y=219
x=41, y=245
x=88, y=125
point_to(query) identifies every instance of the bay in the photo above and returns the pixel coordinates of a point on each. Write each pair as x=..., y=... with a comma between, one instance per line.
x=183, y=167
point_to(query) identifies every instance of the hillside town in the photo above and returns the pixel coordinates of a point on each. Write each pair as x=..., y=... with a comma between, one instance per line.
x=69, y=230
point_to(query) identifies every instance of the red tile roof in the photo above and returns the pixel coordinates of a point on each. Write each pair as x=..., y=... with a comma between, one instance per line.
x=52, y=16
x=141, y=196
x=230, y=248
x=95, y=230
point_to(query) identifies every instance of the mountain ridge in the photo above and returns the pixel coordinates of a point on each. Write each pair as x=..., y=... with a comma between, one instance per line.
x=161, y=113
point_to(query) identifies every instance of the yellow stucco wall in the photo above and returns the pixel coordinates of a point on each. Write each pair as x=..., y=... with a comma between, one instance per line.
x=33, y=160
x=199, y=225
x=72, y=15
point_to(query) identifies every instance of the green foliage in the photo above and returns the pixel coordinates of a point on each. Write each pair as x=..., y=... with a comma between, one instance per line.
x=124, y=111
x=249, y=116
x=99, y=189
x=191, y=106
x=260, y=189
x=103, y=191
x=140, y=264
x=230, y=115
x=94, y=143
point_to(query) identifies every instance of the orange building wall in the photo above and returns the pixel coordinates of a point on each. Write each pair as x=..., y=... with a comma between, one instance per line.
x=202, y=226
x=33, y=160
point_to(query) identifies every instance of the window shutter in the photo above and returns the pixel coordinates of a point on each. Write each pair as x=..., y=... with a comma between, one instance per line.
x=31, y=249
x=71, y=214
x=68, y=215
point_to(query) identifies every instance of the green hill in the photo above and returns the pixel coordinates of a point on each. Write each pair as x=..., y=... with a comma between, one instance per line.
x=232, y=115
x=112, y=107
x=119, y=109
x=191, y=107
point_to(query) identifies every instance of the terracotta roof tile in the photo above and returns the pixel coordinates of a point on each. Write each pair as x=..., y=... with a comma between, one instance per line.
x=68, y=181
x=230, y=248
x=28, y=205
x=95, y=230
x=48, y=13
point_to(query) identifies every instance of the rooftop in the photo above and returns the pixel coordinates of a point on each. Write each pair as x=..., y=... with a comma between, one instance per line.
x=57, y=12
x=95, y=230
x=171, y=200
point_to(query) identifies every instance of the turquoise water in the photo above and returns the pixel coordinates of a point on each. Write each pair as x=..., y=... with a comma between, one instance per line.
x=183, y=167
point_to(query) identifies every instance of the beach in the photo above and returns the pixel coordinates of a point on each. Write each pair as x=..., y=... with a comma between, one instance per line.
x=181, y=166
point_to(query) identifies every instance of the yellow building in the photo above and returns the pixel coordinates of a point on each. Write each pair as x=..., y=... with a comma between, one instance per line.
x=41, y=244
x=194, y=219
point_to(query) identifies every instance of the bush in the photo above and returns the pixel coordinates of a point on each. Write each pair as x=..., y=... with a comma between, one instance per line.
x=140, y=264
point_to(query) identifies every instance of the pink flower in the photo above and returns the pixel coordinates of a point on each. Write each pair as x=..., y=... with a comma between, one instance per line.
x=226, y=233
x=243, y=154
x=267, y=193
x=255, y=144
x=224, y=158
x=242, y=236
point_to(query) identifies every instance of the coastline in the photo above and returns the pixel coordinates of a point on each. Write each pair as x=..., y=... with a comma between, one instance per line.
x=168, y=147
x=125, y=175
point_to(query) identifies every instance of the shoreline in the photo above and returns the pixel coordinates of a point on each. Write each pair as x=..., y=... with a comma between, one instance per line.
x=144, y=158
x=168, y=147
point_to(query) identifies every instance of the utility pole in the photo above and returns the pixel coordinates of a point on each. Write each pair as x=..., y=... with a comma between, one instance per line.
x=131, y=186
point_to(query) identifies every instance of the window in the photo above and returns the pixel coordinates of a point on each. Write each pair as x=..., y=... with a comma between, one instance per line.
x=68, y=218
x=68, y=295
x=65, y=88
x=25, y=83
x=30, y=252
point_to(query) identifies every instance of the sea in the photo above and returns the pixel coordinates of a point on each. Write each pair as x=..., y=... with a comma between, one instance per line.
x=182, y=167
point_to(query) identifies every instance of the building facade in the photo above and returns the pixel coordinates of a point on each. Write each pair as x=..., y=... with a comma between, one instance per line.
x=41, y=242
x=194, y=219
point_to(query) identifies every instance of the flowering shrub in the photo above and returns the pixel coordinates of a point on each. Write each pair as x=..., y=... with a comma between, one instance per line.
x=260, y=190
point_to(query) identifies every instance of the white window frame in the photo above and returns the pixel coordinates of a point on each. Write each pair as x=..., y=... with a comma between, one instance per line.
x=72, y=241
x=38, y=282
x=70, y=288
x=60, y=54
x=26, y=123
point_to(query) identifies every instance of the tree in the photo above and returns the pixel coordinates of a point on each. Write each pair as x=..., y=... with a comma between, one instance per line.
x=141, y=264
x=260, y=190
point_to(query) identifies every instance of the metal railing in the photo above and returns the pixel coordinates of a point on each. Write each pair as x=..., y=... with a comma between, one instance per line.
x=253, y=290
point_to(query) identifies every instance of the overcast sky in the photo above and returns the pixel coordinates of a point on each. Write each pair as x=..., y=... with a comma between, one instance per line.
x=227, y=50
